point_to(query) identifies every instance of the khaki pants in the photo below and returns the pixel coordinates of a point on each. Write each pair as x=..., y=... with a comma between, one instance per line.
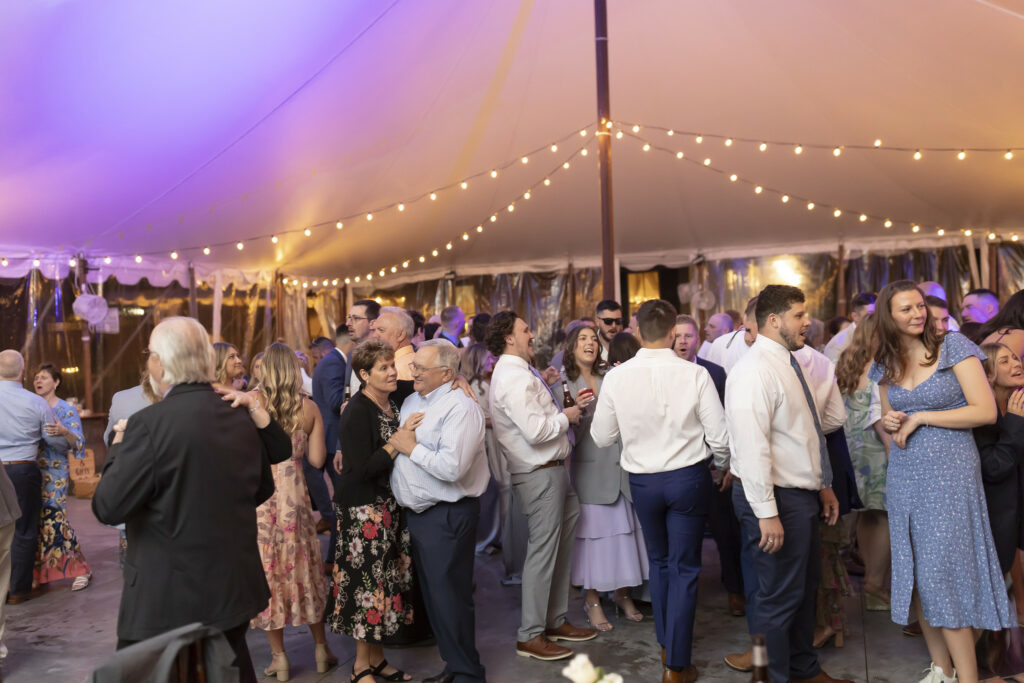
x=6, y=538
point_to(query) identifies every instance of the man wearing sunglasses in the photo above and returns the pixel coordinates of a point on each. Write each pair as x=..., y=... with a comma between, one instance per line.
x=609, y=322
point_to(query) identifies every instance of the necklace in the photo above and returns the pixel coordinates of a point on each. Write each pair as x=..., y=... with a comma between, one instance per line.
x=386, y=408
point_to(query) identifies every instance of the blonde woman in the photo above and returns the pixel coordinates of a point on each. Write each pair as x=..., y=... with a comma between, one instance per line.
x=286, y=530
x=230, y=367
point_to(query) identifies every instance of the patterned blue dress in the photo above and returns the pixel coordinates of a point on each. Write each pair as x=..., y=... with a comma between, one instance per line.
x=938, y=521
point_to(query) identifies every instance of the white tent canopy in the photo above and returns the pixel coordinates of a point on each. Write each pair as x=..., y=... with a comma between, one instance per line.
x=139, y=129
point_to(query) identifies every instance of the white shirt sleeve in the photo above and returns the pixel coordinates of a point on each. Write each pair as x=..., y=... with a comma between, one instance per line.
x=524, y=409
x=834, y=414
x=749, y=410
x=604, y=428
x=712, y=418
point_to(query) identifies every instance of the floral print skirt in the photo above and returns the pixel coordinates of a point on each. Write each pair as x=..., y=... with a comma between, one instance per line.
x=58, y=555
x=371, y=593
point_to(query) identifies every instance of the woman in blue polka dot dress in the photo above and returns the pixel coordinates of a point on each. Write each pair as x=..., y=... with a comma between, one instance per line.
x=933, y=392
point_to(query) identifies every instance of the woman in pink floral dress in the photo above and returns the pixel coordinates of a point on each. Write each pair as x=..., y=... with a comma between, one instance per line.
x=285, y=526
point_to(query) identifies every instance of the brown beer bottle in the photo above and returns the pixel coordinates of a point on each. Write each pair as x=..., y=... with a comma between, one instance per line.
x=759, y=659
x=568, y=401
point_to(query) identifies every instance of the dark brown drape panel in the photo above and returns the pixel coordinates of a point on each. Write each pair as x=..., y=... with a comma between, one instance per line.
x=949, y=266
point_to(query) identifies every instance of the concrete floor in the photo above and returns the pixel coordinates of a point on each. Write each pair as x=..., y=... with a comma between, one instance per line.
x=62, y=636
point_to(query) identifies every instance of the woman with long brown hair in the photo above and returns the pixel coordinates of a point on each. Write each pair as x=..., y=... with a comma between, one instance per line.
x=230, y=367
x=869, y=454
x=609, y=554
x=286, y=535
x=934, y=391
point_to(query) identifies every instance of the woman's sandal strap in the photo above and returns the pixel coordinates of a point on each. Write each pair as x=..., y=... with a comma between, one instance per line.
x=362, y=674
x=378, y=670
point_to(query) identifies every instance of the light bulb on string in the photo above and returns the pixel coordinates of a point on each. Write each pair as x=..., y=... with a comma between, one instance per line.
x=494, y=217
x=670, y=133
x=968, y=232
x=464, y=185
x=394, y=269
x=799, y=149
x=526, y=195
x=1014, y=237
x=837, y=151
x=465, y=236
x=381, y=272
x=423, y=259
x=1008, y=155
x=837, y=213
x=915, y=228
x=863, y=217
x=206, y=251
x=991, y=235
x=961, y=155
x=369, y=216
x=917, y=155
x=758, y=189
x=584, y=152
x=433, y=196
x=3, y=262
x=494, y=174
x=307, y=232
x=763, y=146
x=174, y=256
x=940, y=232
x=583, y=133
x=239, y=246
x=138, y=259
x=316, y=282
x=554, y=148
x=728, y=142
x=525, y=160
x=74, y=262
x=348, y=281
x=878, y=143
x=679, y=155
x=273, y=239
x=106, y=260
x=699, y=139
x=707, y=162
x=295, y=282
x=565, y=165
x=479, y=228
x=810, y=206
x=785, y=198
x=511, y=208
x=339, y=225
x=734, y=177
x=618, y=136
x=448, y=246
x=547, y=181
x=887, y=223
x=405, y=264
x=35, y=261
x=434, y=253
x=636, y=129
x=401, y=207
x=647, y=147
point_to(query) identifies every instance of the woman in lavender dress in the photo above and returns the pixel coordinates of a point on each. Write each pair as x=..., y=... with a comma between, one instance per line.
x=934, y=391
x=609, y=554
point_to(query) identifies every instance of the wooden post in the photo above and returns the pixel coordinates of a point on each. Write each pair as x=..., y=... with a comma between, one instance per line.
x=81, y=272
x=279, y=309
x=993, y=267
x=841, y=282
x=572, y=293
x=193, y=299
x=609, y=273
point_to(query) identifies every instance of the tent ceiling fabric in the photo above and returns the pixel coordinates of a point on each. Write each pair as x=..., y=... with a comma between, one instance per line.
x=142, y=129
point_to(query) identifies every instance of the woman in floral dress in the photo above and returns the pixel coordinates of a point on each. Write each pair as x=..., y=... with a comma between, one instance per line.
x=58, y=555
x=286, y=531
x=371, y=598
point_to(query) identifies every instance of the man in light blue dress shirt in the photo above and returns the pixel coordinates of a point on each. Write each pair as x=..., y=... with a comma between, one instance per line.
x=438, y=478
x=24, y=417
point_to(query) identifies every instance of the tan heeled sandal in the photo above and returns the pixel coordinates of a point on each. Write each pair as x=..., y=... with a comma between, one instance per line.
x=325, y=659
x=278, y=667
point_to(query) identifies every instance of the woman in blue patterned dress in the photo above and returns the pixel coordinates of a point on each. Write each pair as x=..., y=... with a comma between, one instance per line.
x=58, y=555
x=934, y=391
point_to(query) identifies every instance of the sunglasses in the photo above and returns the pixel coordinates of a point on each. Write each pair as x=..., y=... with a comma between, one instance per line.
x=611, y=321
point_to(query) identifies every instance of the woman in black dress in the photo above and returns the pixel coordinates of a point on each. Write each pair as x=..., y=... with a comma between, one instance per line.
x=371, y=597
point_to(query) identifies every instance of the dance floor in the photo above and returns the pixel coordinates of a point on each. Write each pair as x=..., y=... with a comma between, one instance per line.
x=62, y=636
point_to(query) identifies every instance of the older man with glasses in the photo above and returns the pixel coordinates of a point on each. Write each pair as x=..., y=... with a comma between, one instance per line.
x=439, y=481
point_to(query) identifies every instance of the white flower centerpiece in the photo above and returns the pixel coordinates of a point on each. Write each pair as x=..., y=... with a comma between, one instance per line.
x=580, y=670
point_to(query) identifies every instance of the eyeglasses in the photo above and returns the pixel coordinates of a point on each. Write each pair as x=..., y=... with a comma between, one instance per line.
x=420, y=368
x=356, y=317
x=611, y=321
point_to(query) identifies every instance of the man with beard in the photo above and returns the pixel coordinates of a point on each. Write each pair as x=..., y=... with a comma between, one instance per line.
x=783, y=479
x=533, y=434
x=608, y=318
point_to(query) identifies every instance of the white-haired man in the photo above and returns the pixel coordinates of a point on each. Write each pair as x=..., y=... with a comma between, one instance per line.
x=25, y=420
x=395, y=326
x=191, y=518
x=440, y=482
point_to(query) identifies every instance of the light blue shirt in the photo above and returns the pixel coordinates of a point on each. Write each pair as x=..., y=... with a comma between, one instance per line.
x=449, y=462
x=23, y=415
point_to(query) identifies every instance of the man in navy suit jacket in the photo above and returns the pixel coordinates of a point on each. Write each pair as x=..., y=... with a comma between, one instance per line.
x=725, y=527
x=330, y=377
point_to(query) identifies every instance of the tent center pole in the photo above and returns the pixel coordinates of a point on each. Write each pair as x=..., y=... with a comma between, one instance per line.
x=609, y=273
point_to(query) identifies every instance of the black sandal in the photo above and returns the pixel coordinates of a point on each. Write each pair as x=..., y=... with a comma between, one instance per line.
x=362, y=674
x=397, y=675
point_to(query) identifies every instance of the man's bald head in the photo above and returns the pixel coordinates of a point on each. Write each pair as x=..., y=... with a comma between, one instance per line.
x=12, y=365
x=717, y=325
x=932, y=288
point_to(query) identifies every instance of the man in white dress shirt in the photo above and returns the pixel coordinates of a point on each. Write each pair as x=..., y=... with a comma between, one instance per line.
x=440, y=482
x=783, y=480
x=729, y=348
x=665, y=409
x=862, y=304
x=533, y=435
x=717, y=325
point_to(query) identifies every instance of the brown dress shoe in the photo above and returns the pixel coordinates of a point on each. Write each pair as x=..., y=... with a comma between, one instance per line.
x=569, y=632
x=737, y=605
x=740, y=662
x=540, y=647
x=687, y=675
x=822, y=677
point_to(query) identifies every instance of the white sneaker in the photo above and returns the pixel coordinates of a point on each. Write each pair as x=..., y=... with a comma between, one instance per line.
x=934, y=674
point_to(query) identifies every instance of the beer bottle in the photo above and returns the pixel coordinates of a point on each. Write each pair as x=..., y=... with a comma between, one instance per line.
x=759, y=659
x=567, y=401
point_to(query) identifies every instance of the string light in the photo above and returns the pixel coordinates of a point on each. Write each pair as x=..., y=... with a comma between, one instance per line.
x=1014, y=237
x=526, y=195
x=763, y=146
x=878, y=143
x=991, y=235
x=3, y=262
x=961, y=155
x=837, y=151
x=307, y=232
x=915, y=228
x=799, y=149
x=273, y=239
x=785, y=198
x=734, y=177
x=479, y=228
x=887, y=223
x=810, y=206
x=494, y=217
x=583, y=152
x=707, y=162
x=583, y=133
x=433, y=196
x=670, y=132
x=464, y=185
x=494, y=174
x=465, y=236
x=511, y=208
x=863, y=217
x=434, y=252
x=206, y=251
x=699, y=139
x=339, y=225
x=728, y=142
x=547, y=182
x=647, y=147
x=917, y=155
x=758, y=190
x=636, y=129
x=1008, y=155
x=423, y=259
x=940, y=232
x=106, y=260
x=554, y=148
x=401, y=207
x=35, y=261
x=525, y=160
x=618, y=136
x=138, y=259
x=968, y=232
x=174, y=256
x=72, y=262
x=837, y=213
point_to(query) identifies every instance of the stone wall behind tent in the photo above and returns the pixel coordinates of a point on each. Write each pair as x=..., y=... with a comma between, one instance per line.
x=38, y=321
x=545, y=300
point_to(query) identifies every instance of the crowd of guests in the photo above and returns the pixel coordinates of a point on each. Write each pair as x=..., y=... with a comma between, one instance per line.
x=881, y=438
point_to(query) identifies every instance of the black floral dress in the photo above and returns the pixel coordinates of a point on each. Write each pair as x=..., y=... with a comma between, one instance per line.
x=371, y=593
